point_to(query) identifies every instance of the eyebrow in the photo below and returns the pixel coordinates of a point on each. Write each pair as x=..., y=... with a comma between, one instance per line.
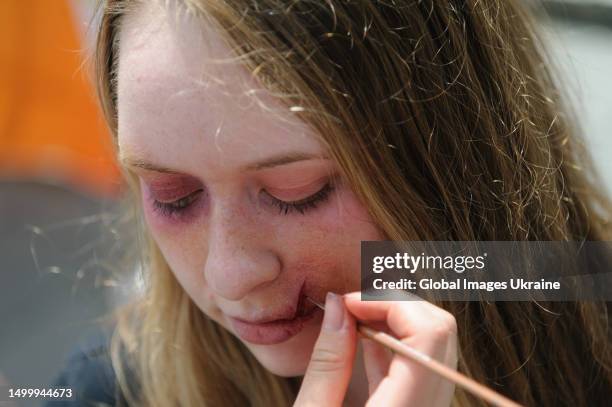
x=138, y=163
x=271, y=162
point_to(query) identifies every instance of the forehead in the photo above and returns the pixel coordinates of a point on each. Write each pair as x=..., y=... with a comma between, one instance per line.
x=183, y=98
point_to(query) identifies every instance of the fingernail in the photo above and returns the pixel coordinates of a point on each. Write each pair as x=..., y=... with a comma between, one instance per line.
x=356, y=295
x=334, y=312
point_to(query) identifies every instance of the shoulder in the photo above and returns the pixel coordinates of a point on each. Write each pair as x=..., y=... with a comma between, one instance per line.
x=89, y=373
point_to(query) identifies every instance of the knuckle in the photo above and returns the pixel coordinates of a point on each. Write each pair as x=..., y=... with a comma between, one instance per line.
x=445, y=327
x=451, y=323
x=324, y=360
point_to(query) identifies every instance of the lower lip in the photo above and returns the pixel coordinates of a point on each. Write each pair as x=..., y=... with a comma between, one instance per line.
x=273, y=332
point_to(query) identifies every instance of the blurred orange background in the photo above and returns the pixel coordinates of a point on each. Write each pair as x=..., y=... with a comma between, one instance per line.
x=51, y=128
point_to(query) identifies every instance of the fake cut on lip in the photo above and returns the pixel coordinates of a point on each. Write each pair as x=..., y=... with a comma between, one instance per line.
x=279, y=330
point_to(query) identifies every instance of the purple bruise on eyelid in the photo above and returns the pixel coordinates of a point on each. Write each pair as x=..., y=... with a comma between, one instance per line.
x=164, y=196
x=158, y=211
x=172, y=188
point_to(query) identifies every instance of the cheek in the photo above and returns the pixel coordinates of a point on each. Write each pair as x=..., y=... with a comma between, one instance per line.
x=178, y=240
x=184, y=249
x=326, y=247
x=186, y=259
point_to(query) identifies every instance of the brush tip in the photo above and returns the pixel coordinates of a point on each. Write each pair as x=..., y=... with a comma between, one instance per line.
x=318, y=304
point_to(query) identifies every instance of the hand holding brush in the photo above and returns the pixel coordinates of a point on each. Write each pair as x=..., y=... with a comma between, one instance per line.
x=420, y=371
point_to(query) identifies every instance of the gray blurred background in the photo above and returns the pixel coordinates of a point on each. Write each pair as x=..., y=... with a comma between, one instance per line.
x=59, y=237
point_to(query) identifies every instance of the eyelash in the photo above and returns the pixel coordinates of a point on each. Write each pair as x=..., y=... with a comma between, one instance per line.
x=302, y=206
x=172, y=208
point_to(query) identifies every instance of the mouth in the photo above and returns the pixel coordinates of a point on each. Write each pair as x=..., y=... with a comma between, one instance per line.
x=276, y=329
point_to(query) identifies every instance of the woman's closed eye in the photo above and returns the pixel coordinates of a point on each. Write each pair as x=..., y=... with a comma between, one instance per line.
x=175, y=207
x=301, y=205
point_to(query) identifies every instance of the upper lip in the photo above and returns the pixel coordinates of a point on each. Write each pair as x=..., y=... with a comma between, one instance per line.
x=300, y=307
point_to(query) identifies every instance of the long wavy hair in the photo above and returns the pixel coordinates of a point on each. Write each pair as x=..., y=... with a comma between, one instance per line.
x=448, y=123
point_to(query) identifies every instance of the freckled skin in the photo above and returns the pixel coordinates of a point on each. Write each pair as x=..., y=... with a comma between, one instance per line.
x=235, y=254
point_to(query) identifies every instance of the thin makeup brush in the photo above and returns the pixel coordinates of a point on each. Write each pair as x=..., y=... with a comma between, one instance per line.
x=446, y=372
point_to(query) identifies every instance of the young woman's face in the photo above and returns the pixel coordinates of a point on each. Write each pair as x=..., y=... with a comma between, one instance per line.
x=237, y=192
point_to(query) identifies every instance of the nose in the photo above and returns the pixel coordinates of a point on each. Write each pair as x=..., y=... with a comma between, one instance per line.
x=239, y=259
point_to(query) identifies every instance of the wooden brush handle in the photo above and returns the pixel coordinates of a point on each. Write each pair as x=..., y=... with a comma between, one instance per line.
x=454, y=376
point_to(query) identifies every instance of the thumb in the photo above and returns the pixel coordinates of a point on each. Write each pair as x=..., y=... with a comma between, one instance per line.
x=329, y=371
